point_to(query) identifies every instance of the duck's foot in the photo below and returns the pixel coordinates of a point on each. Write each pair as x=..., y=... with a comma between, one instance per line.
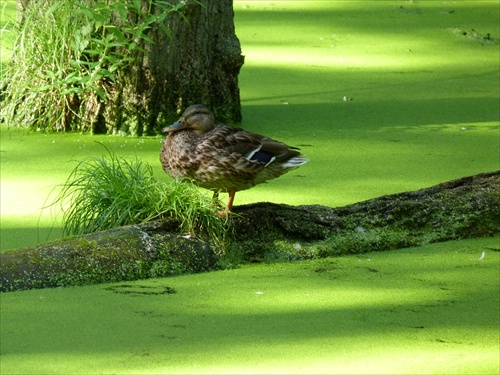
x=229, y=205
x=224, y=214
x=217, y=204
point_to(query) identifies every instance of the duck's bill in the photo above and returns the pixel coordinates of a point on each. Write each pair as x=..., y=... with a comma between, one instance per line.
x=175, y=126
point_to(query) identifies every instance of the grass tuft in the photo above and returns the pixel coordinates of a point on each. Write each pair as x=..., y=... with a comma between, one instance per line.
x=107, y=192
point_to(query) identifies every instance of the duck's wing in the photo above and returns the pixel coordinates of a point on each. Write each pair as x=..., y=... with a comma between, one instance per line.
x=230, y=140
x=248, y=145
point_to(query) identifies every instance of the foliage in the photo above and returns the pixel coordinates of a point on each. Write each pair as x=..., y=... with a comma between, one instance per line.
x=107, y=192
x=67, y=58
x=7, y=17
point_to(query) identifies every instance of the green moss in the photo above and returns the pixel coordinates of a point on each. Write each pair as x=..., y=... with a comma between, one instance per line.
x=78, y=262
x=122, y=254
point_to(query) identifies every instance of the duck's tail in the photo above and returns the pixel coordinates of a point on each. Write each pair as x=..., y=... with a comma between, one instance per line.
x=294, y=162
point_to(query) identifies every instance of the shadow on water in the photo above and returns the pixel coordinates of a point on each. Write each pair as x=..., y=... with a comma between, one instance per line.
x=12, y=237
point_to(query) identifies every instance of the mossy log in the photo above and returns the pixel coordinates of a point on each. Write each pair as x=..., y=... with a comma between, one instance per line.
x=462, y=208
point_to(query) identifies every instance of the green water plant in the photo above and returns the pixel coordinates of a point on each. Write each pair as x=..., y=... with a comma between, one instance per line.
x=110, y=191
x=426, y=310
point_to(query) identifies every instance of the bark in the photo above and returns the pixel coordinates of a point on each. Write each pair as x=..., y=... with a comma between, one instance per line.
x=198, y=62
x=463, y=208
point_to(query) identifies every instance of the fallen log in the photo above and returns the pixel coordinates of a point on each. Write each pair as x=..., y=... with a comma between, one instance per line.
x=463, y=208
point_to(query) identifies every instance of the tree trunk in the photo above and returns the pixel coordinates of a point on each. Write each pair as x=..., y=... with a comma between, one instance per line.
x=463, y=208
x=198, y=62
x=158, y=66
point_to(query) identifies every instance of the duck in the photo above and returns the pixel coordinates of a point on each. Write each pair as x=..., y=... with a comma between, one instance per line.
x=223, y=158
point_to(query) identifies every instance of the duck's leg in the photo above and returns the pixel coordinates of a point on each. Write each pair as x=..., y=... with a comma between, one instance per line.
x=230, y=201
x=229, y=206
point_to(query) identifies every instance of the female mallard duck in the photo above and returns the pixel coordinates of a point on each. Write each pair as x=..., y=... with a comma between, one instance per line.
x=223, y=158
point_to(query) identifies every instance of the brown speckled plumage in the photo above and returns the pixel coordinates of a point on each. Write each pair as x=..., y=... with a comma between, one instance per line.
x=221, y=157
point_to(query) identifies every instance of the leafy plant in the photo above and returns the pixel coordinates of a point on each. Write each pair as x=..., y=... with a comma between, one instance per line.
x=107, y=192
x=67, y=58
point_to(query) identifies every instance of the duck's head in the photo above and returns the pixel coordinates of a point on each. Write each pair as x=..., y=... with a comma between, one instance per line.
x=196, y=117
